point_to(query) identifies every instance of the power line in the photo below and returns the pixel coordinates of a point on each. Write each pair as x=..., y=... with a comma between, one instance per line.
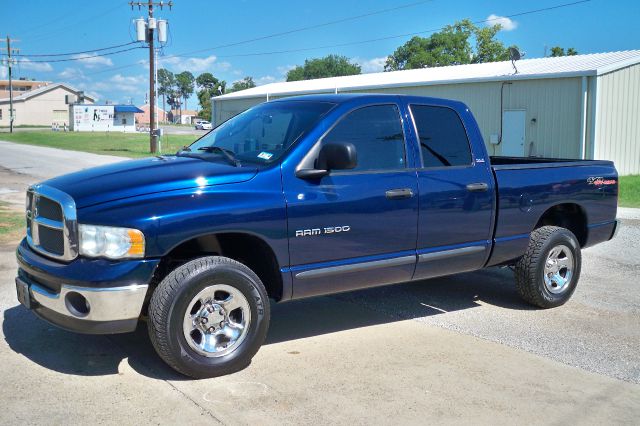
x=82, y=58
x=304, y=49
x=33, y=55
x=310, y=27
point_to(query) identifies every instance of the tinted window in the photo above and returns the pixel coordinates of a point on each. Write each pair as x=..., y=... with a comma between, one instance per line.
x=376, y=132
x=443, y=140
x=263, y=133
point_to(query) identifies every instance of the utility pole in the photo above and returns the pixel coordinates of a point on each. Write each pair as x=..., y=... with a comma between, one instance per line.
x=149, y=37
x=9, y=65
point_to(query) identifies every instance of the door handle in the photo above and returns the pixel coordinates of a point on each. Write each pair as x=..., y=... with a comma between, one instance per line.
x=477, y=187
x=398, y=194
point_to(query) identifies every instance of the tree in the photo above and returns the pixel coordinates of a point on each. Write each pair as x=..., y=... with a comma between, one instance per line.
x=559, y=51
x=166, y=83
x=460, y=43
x=329, y=66
x=209, y=86
x=245, y=83
x=184, y=86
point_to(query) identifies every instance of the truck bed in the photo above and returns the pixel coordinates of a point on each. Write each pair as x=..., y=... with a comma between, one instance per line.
x=584, y=192
x=515, y=163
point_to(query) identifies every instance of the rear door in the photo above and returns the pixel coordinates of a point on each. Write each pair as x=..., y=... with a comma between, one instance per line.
x=356, y=228
x=456, y=194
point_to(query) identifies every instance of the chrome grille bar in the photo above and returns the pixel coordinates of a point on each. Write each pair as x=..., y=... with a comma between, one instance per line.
x=68, y=225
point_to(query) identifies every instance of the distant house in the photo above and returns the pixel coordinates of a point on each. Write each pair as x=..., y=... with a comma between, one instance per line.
x=186, y=116
x=142, y=118
x=43, y=105
x=20, y=86
x=103, y=118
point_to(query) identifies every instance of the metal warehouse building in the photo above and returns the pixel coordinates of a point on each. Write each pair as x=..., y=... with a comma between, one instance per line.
x=584, y=106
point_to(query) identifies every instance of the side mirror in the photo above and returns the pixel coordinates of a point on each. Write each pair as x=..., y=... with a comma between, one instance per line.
x=332, y=156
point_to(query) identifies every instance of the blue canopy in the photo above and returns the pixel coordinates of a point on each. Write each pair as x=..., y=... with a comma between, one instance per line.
x=126, y=108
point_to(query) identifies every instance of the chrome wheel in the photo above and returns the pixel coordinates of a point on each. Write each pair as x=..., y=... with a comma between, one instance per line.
x=558, y=269
x=217, y=320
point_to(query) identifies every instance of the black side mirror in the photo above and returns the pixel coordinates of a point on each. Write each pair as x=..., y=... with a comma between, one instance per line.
x=332, y=156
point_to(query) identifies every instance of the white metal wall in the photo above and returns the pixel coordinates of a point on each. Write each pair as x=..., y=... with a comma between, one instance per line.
x=552, y=106
x=618, y=119
x=553, y=120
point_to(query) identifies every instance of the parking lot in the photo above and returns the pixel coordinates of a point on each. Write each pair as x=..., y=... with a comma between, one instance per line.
x=460, y=349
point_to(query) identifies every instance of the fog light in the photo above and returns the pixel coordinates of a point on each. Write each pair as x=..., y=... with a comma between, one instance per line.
x=77, y=304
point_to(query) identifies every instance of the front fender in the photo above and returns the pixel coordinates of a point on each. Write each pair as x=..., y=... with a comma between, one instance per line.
x=167, y=219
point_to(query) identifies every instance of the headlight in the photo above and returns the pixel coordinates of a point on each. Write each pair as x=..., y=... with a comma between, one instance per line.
x=107, y=241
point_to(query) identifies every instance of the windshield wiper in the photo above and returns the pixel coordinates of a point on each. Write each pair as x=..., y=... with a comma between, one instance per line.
x=227, y=153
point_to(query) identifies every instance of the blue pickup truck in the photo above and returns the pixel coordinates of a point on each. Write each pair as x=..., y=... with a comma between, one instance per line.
x=295, y=198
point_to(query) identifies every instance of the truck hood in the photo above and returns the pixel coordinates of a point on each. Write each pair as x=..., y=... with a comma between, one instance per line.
x=147, y=176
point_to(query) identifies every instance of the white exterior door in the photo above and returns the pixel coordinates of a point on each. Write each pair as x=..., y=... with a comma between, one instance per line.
x=513, y=129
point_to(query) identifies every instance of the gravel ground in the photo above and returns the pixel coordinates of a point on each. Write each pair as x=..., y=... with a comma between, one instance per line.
x=598, y=330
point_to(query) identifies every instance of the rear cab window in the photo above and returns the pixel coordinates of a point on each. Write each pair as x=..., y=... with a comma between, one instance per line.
x=442, y=137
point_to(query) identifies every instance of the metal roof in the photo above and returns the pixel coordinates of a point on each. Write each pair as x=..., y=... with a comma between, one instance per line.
x=537, y=68
x=126, y=108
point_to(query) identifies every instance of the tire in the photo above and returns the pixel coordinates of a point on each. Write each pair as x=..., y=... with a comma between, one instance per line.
x=540, y=283
x=210, y=288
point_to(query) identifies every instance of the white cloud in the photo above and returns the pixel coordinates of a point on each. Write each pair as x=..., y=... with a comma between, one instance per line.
x=89, y=60
x=506, y=23
x=3, y=72
x=195, y=65
x=132, y=85
x=284, y=69
x=27, y=64
x=72, y=74
x=265, y=80
x=95, y=95
x=371, y=65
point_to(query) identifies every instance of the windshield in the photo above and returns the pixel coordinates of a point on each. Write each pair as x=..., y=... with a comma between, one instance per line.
x=262, y=133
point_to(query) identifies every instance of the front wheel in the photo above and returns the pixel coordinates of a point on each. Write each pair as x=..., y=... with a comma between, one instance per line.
x=209, y=317
x=548, y=273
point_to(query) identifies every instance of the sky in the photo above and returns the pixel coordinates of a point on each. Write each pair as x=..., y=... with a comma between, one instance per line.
x=215, y=35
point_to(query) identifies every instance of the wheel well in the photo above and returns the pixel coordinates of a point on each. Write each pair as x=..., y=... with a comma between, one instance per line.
x=568, y=215
x=247, y=249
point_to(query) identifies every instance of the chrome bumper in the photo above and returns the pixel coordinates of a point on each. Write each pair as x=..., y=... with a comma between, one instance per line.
x=102, y=304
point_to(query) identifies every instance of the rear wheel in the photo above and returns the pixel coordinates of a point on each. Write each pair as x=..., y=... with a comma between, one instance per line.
x=209, y=317
x=548, y=273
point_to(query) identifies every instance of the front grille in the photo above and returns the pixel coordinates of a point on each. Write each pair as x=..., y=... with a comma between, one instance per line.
x=52, y=240
x=51, y=223
x=49, y=209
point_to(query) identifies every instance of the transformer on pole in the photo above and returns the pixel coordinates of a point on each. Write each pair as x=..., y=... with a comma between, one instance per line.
x=145, y=31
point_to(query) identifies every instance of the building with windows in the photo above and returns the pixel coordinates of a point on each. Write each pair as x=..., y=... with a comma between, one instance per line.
x=103, y=118
x=44, y=105
x=20, y=86
x=583, y=106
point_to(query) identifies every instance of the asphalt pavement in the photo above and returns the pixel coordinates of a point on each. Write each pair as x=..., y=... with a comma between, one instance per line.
x=460, y=349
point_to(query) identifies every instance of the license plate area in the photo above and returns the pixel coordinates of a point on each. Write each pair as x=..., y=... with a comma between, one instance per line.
x=22, y=290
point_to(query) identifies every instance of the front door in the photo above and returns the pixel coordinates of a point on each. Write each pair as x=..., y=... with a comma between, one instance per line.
x=513, y=133
x=356, y=228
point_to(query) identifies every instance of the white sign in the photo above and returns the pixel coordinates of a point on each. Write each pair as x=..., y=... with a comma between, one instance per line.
x=93, y=118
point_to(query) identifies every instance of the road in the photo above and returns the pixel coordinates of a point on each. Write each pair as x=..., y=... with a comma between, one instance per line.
x=460, y=349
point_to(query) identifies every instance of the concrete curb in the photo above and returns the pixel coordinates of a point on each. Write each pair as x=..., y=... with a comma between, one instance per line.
x=628, y=213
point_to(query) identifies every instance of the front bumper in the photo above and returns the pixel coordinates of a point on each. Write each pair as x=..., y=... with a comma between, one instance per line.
x=84, y=309
x=85, y=296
